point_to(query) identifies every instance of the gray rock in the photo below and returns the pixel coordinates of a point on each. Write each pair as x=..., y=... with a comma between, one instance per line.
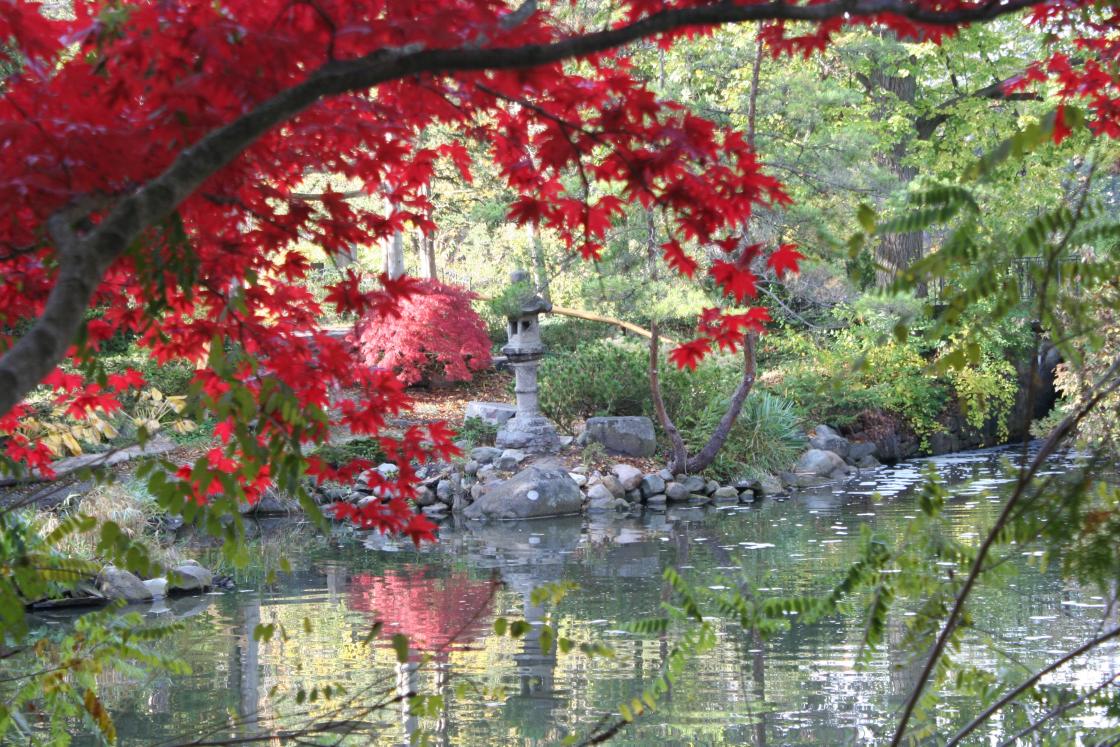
x=711, y=487
x=630, y=477
x=826, y=439
x=868, y=462
x=599, y=491
x=747, y=496
x=633, y=496
x=768, y=485
x=726, y=494
x=425, y=497
x=819, y=463
x=579, y=479
x=388, y=469
x=117, y=583
x=509, y=459
x=602, y=504
x=487, y=472
x=699, y=499
x=657, y=499
x=477, y=490
x=612, y=484
x=471, y=467
x=531, y=493
x=652, y=485
x=665, y=475
x=271, y=503
x=693, y=483
x=630, y=436
x=157, y=586
x=675, y=491
x=485, y=454
x=533, y=433
x=859, y=449
x=494, y=413
x=436, y=510
x=190, y=576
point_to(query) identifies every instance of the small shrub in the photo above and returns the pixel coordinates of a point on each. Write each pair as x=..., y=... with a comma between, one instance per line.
x=438, y=336
x=477, y=432
x=598, y=378
x=766, y=437
x=344, y=452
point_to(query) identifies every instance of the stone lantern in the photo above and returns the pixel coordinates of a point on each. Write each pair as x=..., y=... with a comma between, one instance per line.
x=528, y=429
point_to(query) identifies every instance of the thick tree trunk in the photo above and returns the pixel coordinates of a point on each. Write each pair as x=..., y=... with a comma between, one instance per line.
x=392, y=263
x=680, y=461
x=896, y=252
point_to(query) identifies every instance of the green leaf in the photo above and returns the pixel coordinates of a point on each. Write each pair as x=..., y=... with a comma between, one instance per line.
x=400, y=645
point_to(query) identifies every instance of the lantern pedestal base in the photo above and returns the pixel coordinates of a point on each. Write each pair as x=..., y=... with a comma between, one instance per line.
x=534, y=433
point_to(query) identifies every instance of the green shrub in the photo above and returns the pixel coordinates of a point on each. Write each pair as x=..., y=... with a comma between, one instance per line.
x=477, y=432
x=766, y=437
x=171, y=379
x=604, y=377
x=344, y=452
x=612, y=378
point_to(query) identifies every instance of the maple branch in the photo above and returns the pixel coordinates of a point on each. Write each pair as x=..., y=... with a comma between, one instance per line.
x=84, y=260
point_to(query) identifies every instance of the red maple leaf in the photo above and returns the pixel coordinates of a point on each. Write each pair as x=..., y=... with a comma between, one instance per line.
x=734, y=280
x=785, y=259
x=689, y=354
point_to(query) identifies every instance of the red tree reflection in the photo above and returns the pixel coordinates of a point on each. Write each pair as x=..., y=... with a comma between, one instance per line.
x=435, y=612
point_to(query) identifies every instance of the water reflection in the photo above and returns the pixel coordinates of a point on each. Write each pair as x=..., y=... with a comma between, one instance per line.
x=802, y=688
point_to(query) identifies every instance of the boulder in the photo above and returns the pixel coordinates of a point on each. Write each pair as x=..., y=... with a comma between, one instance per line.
x=426, y=497
x=651, y=485
x=868, y=462
x=599, y=492
x=602, y=500
x=629, y=436
x=509, y=459
x=436, y=510
x=656, y=500
x=630, y=477
x=271, y=503
x=711, y=487
x=612, y=484
x=675, y=491
x=580, y=480
x=471, y=467
x=727, y=494
x=693, y=483
x=485, y=454
x=634, y=496
x=859, y=449
x=819, y=463
x=157, y=586
x=494, y=413
x=532, y=493
x=826, y=439
x=190, y=576
x=117, y=583
x=768, y=485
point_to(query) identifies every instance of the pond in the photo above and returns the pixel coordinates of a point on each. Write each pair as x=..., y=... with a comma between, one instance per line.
x=803, y=687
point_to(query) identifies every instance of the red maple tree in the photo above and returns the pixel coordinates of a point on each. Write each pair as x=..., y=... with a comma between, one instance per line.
x=437, y=335
x=151, y=156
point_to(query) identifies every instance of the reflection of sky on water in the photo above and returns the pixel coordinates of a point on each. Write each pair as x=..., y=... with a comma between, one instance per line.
x=802, y=688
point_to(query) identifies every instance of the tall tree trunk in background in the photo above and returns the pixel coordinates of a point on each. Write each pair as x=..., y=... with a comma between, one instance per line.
x=540, y=267
x=426, y=246
x=393, y=259
x=428, y=265
x=896, y=252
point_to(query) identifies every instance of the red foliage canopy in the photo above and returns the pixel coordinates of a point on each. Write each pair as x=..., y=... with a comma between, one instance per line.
x=151, y=156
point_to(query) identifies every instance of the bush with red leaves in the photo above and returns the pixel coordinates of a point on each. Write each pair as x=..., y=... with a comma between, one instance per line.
x=438, y=336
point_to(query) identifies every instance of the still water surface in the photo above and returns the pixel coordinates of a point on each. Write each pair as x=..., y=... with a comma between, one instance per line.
x=801, y=688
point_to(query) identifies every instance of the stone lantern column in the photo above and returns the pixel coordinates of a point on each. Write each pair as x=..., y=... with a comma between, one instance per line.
x=528, y=429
